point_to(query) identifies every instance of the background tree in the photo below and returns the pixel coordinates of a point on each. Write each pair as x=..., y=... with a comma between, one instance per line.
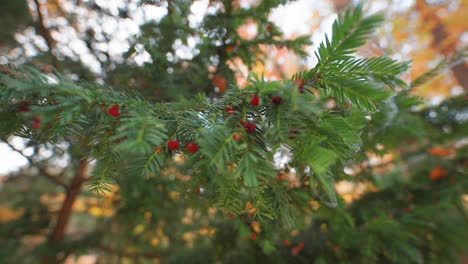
x=181, y=174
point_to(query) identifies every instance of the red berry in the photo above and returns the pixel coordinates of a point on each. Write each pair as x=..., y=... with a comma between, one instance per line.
x=249, y=127
x=255, y=101
x=230, y=110
x=300, y=83
x=156, y=92
x=300, y=245
x=36, y=125
x=229, y=49
x=173, y=144
x=286, y=243
x=245, y=238
x=276, y=99
x=231, y=216
x=253, y=236
x=294, y=131
x=438, y=173
x=114, y=111
x=281, y=177
x=236, y=137
x=192, y=147
x=198, y=190
x=24, y=107
x=268, y=27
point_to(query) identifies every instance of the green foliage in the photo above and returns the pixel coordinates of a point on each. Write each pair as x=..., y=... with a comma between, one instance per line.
x=270, y=167
x=325, y=136
x=14, y=14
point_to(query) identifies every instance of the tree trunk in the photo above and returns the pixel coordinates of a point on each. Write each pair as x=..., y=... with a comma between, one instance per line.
x=65, y=212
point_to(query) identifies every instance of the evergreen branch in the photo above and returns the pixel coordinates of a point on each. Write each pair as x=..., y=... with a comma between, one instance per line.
x=349, y=32
x=358, y=91
x=379, y=69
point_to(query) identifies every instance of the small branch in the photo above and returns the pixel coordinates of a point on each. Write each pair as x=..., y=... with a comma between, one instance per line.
x=44, y=31
x=41, y=169
x=58, y=232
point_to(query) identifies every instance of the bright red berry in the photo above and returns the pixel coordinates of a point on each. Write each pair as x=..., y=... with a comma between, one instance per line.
x=286, y=243
x=172, y=144
x=231, y=216
x=236, y=137
x=230, y=110
x=192, y=147
x=300, y=84
x=276, y=99
x=255, y=101
x=114, y=111
x=268, y=27
x=249, y=127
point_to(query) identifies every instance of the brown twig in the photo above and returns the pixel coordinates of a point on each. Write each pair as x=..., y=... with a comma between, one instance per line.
x=44, y=31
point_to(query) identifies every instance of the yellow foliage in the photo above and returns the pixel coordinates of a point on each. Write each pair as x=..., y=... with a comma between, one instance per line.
x=7, y=214
x=256, y=227
x=155, y=241
x=138, y=229
x=95, y=211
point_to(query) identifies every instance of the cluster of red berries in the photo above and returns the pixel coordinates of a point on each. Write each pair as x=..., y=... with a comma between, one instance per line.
x=293, y=133
x=191, y=147
x=249, y=127
x=297, y=249
x=253, y=236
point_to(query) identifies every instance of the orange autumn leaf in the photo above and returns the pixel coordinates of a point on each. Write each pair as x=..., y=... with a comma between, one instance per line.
x=438, y=152
x=438, y=173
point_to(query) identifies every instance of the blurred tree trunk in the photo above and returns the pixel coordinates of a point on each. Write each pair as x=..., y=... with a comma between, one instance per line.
x=65, y=212
x=44, y=32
